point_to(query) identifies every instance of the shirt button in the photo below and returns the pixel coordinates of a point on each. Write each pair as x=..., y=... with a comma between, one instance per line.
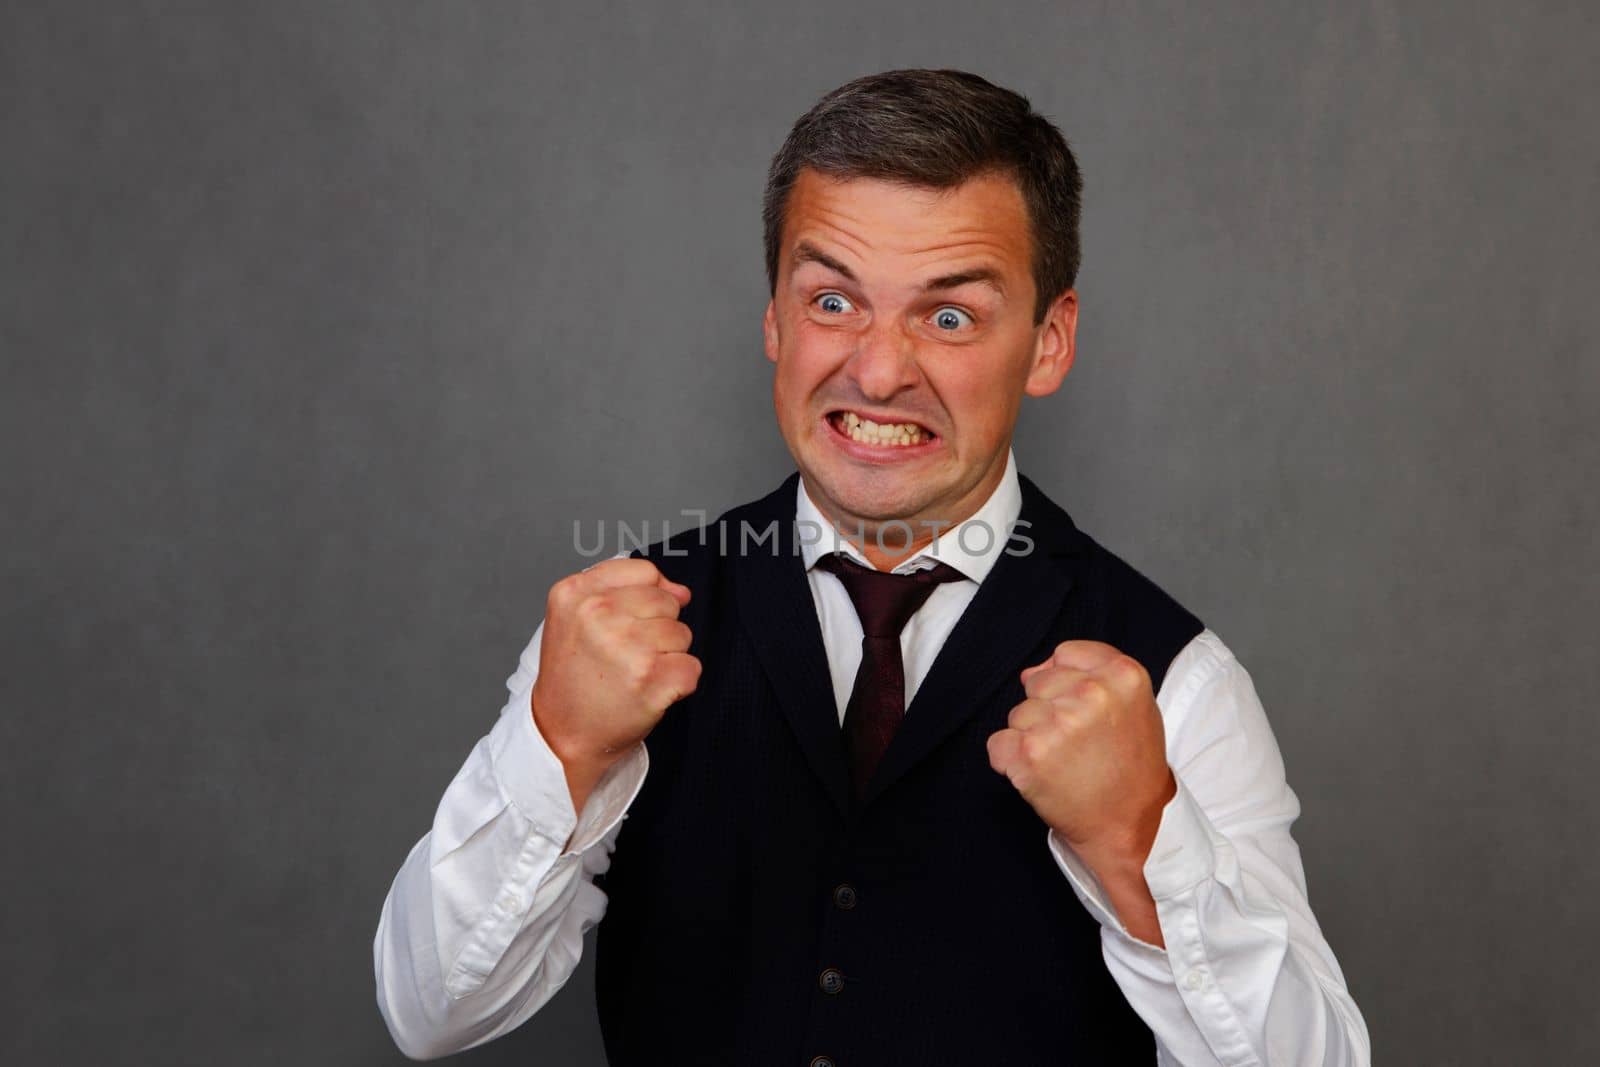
x=844, y=897
x=831, y=982
x=821, y=1061
x=508, y=902
x=1194, y=980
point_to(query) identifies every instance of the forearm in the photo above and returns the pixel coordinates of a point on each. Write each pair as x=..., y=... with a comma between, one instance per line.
x=485, y=920
x=1239, y=971
x=443, y=987
x=1252, y=969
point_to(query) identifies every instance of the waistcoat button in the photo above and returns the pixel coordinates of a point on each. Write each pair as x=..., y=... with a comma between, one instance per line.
x=821, y=1061
x=844, y=897
x=831, y=982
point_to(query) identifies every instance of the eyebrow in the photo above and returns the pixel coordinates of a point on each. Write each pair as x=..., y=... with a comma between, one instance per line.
x=806, y=252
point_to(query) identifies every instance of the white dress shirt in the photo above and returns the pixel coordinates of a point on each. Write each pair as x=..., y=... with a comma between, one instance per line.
x=485, y=920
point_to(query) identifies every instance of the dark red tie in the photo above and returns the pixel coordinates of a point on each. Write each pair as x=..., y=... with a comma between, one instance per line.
x=884, y=602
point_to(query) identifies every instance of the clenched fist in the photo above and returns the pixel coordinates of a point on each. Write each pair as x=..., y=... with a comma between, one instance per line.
x=613, y=658
x=1087, y=750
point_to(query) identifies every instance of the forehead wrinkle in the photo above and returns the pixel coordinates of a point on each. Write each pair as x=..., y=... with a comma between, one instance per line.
x=832, y=219
x=833, y=202
x=830, y=224
x=976, y=239
x=951, y=274
x=960, y=263
x=990, y=255
x=819, y=237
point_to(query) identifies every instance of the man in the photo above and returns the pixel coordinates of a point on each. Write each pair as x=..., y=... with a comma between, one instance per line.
x=914, y=771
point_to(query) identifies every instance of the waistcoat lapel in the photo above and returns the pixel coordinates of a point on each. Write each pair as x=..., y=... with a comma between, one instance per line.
x=780, y=619
x=1010, y=615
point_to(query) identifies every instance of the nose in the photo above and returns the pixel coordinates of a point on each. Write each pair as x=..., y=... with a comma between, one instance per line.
x=884, y=362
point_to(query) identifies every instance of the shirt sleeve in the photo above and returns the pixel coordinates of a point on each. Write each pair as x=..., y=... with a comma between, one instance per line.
x=485, y=920
x=1246, y=976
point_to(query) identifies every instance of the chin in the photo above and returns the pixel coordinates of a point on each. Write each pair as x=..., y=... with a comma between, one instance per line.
x=875, y=496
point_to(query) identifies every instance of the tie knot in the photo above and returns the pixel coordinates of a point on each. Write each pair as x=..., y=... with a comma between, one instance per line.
x=885, y=601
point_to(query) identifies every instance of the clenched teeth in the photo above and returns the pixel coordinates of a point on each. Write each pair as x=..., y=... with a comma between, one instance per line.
x=893, y=434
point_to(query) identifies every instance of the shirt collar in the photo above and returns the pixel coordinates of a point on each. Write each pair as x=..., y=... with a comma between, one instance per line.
x=972, y=547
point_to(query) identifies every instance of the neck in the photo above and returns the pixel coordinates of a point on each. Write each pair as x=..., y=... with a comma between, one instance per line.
x=890, y=557
x=887, y=543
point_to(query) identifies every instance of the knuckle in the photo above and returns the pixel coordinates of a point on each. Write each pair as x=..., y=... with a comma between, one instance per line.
x=1091, y=691
x=637, y=670
x=1034, y=747
x=1126, y=671
x=596, y=607
x=1064, y=721
x=562, y=594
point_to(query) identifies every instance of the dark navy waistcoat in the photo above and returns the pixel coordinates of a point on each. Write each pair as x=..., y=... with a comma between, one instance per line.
x=758, y=916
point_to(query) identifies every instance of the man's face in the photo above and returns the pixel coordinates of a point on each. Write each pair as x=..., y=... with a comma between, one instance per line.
x=909, y=310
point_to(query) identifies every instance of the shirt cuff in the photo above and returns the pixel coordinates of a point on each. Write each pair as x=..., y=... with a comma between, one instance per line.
x=536, y=783
x=1180, y=857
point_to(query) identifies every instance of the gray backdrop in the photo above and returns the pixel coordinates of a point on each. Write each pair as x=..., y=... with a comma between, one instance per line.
x=322, y=323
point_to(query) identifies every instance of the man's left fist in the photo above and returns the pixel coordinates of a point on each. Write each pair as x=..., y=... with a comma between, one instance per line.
x=1088, y=751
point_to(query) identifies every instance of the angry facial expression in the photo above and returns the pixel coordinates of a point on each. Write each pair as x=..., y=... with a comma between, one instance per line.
x=901, y=329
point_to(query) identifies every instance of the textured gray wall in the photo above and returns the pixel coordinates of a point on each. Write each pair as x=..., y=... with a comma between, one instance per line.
x=323, y=322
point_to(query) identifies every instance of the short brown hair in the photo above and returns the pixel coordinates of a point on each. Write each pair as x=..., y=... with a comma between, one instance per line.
x=937, y=129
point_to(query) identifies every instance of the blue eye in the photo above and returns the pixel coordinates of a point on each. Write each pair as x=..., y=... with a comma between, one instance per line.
x=833, y=303
x=951, y=319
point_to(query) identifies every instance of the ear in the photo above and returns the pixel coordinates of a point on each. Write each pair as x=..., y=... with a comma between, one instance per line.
x=769, y=330
x=1055, y=347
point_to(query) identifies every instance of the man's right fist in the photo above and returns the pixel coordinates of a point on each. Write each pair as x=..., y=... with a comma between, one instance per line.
x=613, y=658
